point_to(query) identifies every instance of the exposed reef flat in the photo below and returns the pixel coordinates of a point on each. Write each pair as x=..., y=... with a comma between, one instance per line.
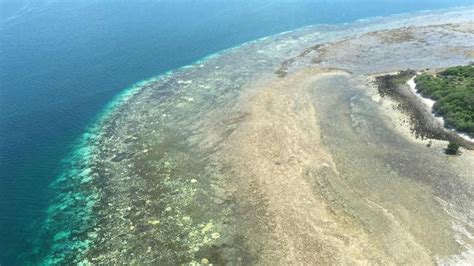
x=273, y=152
x=424, y=123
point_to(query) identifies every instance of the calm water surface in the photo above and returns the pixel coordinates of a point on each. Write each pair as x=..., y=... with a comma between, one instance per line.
x=61, y=62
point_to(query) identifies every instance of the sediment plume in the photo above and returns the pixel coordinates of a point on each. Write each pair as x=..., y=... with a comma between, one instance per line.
x=280, y=151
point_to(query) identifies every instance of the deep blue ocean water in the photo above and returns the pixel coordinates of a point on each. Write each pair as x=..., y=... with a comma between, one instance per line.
x=62, y=62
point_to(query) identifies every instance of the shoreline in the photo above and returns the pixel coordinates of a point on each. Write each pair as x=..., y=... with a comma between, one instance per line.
x=429, y=103
x=424, y=123
x=112, y=156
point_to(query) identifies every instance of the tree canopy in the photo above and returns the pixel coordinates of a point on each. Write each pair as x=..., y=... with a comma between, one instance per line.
x=453, y=91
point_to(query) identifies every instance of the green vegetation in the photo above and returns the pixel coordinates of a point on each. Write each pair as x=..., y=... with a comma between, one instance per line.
x=453, y=91
x=452, y=148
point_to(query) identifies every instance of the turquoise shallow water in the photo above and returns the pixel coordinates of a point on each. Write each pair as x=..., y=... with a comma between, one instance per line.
x=70, y=203
x=63, y=61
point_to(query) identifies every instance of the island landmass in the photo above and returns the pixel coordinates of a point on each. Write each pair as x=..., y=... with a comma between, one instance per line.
x=279, y=151
x=453, y=91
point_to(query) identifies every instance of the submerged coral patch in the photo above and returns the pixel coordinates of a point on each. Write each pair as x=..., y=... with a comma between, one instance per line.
x=224, y=161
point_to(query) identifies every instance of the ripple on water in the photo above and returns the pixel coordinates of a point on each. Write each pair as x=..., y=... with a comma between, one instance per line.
x=144, y=185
